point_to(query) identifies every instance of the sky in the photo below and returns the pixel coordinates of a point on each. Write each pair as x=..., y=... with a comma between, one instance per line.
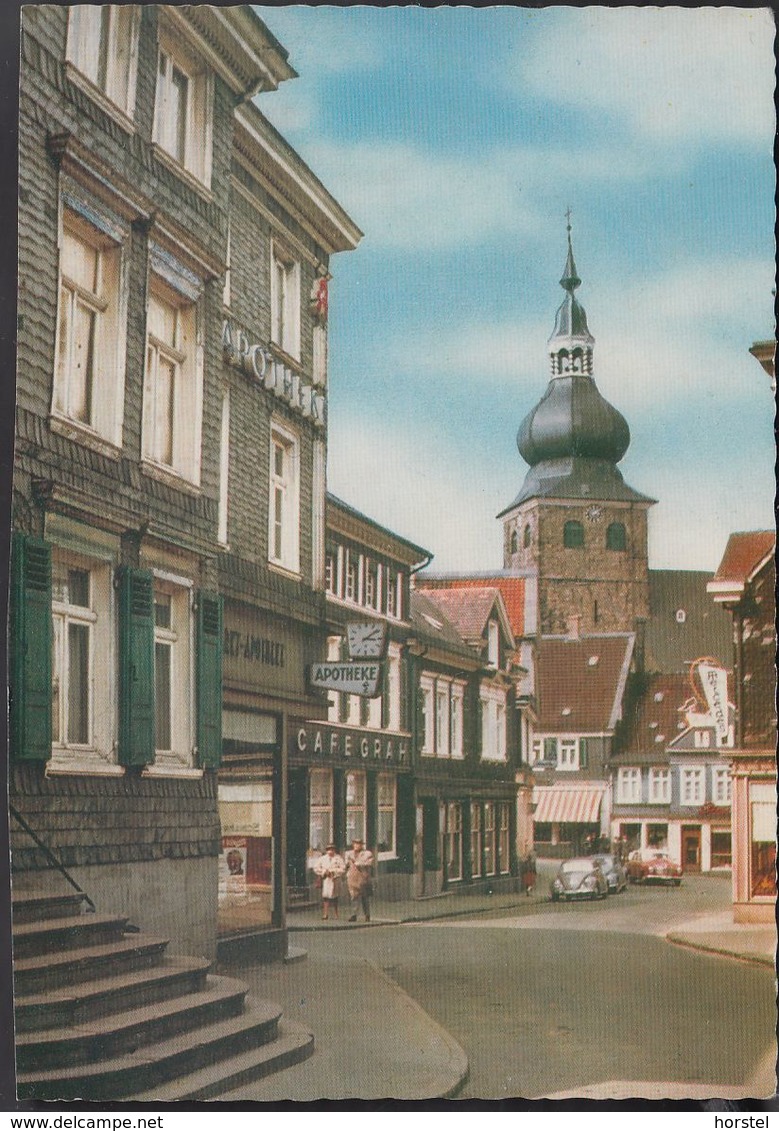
x=456, y=138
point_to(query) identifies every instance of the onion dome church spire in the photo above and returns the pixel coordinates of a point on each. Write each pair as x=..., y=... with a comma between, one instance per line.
x=573, y=438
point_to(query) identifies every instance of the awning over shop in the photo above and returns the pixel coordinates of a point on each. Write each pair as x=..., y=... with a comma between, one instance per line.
x=568, y=804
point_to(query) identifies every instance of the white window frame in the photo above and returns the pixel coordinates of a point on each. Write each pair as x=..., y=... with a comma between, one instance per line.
x=692, y=785
x=493, y=644
x=493, y=724
x=427, y=690
x=224, y=470
x=284, y=499
x=285, y=299
x=334, y=697
x=629, y=785
x=442, y=718
x=355, y=829
x=98, y=754
x=456, y=720
x=383, y=806
x=178, y=637
x=188, y=143
x=453, y=839
x=393, y=687
x=178, y=454
x=702, y=739
x=659, y=785
x=324, y=775
x=568, y=754
x=331, y=572
x=721, y=785
x=536, y=750
x=101, y=419
x=102, y=48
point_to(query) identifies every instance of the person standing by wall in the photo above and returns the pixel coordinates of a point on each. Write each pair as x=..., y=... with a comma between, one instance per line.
x=330, y=867
x=359, y=868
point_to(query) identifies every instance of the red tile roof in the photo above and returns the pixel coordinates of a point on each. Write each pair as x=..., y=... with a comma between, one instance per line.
x=512, y=589
x=467, y=609
x=743, y=553
x=580, y=682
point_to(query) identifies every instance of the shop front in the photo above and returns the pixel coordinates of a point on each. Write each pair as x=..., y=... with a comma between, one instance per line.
x=264, y=661
x=348, y=783
x=754, y=835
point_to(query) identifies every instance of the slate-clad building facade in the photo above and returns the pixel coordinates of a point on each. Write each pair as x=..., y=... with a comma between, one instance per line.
x=133, y=139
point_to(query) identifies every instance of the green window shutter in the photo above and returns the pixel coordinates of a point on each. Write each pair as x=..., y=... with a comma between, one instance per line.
x=364, y=712
x=405, y=721
x=136, y=667
x=343, y=700
x=30, y=652
x=584, y=754
x=209, y=679
x=385, y=713
x=477, y=727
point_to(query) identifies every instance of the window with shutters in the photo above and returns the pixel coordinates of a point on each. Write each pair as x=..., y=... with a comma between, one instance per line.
x=81, y=667
x=103, y=48
x=284, y=502
x=30, y=649
x=173, y=385
x=173, y=676
x=208, y=679
x=183, y=108
x=88, y=387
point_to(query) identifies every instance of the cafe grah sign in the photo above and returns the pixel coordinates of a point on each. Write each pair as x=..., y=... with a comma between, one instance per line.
x=262, y=368
x=318, y=740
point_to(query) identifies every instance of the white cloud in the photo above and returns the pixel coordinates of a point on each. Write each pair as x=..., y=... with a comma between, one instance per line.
x=681, y=74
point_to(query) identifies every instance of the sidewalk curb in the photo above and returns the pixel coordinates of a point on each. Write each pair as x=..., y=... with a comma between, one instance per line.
x=453, y=913
x=458, y=1060
x=720, y=951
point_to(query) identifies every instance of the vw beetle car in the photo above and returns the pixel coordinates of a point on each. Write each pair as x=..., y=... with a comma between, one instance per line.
x=580, y=878
x=616, y=876
x=653, y=865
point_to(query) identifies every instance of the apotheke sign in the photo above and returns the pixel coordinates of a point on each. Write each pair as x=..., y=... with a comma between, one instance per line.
x=261, y=367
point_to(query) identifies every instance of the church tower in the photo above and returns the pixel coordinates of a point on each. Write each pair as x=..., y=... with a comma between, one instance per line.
x=576, y=530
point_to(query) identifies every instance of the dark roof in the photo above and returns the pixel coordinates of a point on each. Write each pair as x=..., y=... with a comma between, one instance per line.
x=580, y=682
x=672, y=644
x=511, y=588
x=431, y=624
x=744, y=552
x=653, y=717
x=576, y=477
x=417, y=552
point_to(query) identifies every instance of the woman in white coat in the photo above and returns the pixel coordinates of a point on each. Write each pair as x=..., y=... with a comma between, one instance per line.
x=330, y=867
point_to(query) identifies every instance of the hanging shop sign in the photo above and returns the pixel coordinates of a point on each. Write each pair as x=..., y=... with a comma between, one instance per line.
x=355, y=677
x=260, y=365
x=714, y=681
x=317, y=740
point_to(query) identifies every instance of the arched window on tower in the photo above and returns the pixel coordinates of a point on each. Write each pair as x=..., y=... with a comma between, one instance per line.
x=527, y=537
x=616, y=538
x=514, y=542
x=573, y=535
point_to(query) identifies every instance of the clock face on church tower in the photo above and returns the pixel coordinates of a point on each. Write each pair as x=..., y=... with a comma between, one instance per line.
x=594, y=513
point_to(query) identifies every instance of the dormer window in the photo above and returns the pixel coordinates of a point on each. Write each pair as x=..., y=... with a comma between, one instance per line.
x=493, y=644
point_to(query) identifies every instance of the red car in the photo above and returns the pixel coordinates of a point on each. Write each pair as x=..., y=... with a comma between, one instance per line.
x=653, y=865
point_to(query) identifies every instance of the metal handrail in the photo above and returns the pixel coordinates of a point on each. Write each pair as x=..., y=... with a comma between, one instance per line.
x=50, y=856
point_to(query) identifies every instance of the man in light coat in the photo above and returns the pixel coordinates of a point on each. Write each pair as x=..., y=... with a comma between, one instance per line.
x=359, y=866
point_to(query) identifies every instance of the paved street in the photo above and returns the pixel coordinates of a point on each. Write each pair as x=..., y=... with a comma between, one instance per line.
x=543, y=999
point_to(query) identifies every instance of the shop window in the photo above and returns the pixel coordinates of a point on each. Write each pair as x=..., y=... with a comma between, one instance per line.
x=285, y=301
x=284, y=503
x=477, y=840
x=387, y=821
x=721, y=786
x=616, y=538
x=629, y=785
x=102, y=46
x=762, y=824
x=721, y=851
x=543, y=832
x=320, y=825
x=89, y=370
x=355, y=807
x=172, y=396
x=490, y=839
x=183, y=110
x=504, y=840
x=454, y=840
x=81, y=644
x=573, y=535
x=172, y=676
x=692, y=786
x=659, y=786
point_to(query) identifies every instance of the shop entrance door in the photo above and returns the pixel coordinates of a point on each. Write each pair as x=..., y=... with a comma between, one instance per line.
x=691, y=848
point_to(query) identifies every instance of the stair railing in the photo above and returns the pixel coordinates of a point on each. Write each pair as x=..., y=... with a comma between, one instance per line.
x=51, y=857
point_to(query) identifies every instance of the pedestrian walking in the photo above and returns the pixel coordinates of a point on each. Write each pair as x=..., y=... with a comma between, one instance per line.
x=359, y=869
x=529, y=872
x=330, y=867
